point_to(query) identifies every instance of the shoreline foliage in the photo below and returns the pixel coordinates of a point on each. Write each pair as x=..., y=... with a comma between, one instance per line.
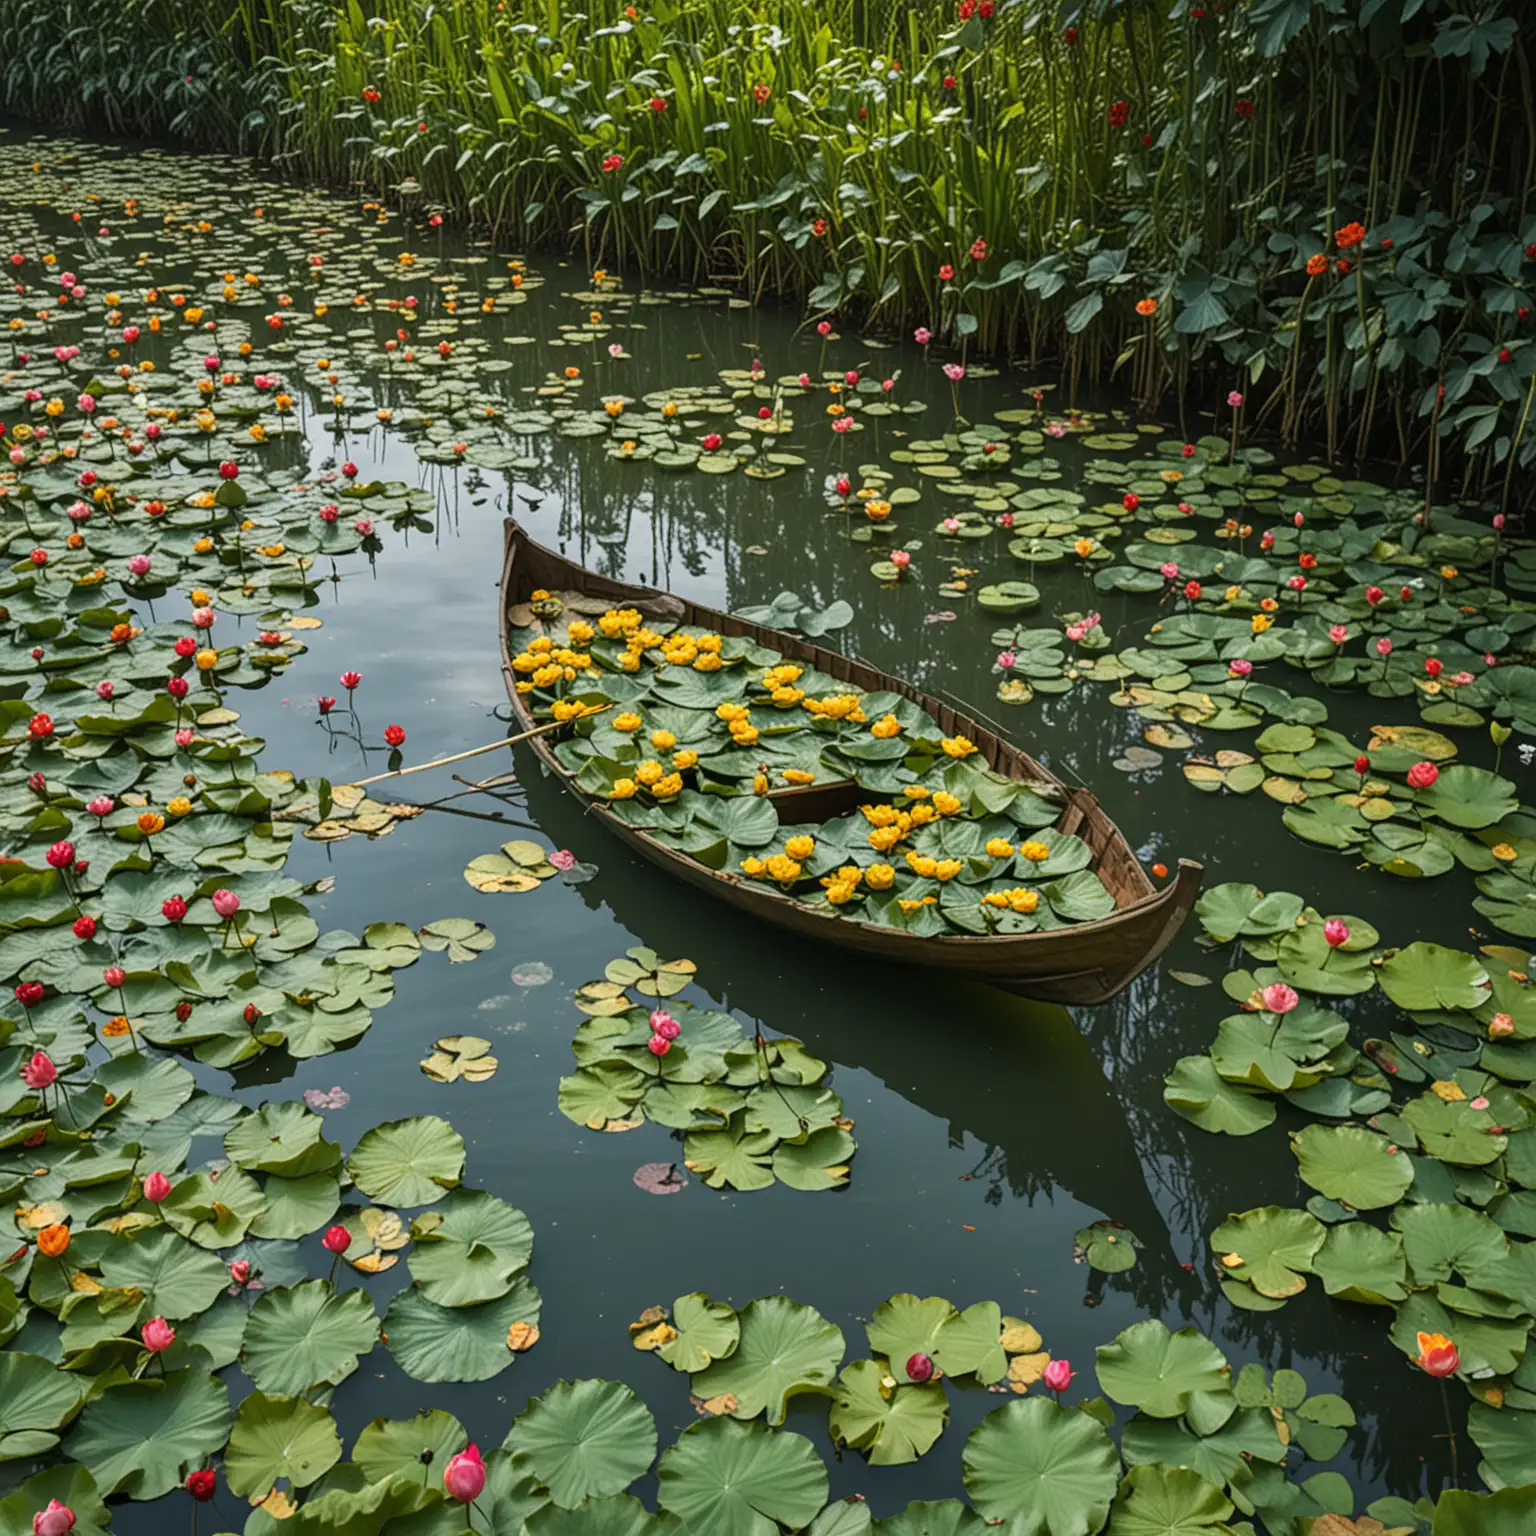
x=1325, y=204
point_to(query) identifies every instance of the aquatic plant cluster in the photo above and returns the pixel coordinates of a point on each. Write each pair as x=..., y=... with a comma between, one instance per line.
x=686, y=734
x=1323, y=206
x=1418, y=1150
x=166, y=533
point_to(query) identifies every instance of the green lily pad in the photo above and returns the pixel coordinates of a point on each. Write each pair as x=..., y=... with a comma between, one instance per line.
x=785, y=1349
x=279, y=1438
x=408, y=1162
x=1045, y=1469
x=723, y=1478
x=1158, y=1371
x=583, y=1439
x=1353, y=1165
x=892, y=1424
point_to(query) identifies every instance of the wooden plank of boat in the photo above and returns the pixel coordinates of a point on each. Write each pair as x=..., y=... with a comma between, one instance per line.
x=1082, y=963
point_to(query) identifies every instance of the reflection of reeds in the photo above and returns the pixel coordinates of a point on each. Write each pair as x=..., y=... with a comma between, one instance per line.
x=1150, y=185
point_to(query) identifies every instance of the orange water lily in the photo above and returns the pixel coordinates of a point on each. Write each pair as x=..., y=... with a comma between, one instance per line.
x=1438, y=1355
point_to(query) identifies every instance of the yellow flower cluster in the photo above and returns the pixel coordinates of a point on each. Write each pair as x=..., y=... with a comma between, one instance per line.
x=885, y=727
x=844, y=885
x=1016, y=900
x=543, y=665
x=1036, y=853
x=933, y=869
x=837, y=706
x=618, y=622
x=779, y=867
x=957, y=746
x=999, y=848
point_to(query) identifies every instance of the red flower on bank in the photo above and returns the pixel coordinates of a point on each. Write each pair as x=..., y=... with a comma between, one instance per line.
x=1349, y=236
x=658, y=104
x=1243, y=108
x=613, y=162
x=1119, y=114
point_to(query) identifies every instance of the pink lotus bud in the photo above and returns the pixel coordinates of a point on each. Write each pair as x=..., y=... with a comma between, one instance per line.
x=1058, y=1375
x=240, y=1271
x=658, y=1045
x=101, y=806
x=57, y=1520
x=337, y=1239
x=1500, y=1025
x=225, y=903
x=1006, y=659
x=139, y=565
x=464, y=1476
x=158, y=1335
x=920, y=1367
x=114, y=976
x=901, y=559
x=1336, y=932
x=1279, y=998
x=156, y=1188
x=40, y=1071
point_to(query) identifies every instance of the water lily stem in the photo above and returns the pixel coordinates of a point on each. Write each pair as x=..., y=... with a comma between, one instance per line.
x=1450, y=1434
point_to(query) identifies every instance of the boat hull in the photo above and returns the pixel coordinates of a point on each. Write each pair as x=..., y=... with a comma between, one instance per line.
x=1083, y=964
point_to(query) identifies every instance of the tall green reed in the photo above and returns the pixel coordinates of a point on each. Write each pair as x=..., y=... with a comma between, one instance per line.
x=1112, y=155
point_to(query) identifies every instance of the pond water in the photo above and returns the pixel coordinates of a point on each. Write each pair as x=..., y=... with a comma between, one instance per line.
x=990, y=1129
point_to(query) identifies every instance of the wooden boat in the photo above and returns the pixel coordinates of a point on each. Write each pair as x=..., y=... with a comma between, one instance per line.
x=1081, y=963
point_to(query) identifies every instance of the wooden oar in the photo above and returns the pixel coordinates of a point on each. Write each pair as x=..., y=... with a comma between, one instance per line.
x=458, y=757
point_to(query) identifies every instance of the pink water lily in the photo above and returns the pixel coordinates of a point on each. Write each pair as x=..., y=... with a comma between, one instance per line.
x=1279, y=998
x=1336, y=932
x=563, y=859
x=954, y=372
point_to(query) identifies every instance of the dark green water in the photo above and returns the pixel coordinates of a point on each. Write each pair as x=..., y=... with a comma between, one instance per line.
x=989, y=1128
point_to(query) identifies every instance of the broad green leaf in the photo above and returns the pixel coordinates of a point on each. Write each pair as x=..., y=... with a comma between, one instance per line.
x=907, y=1325
x=706, y=1331
x=1353, y=1165
x=723, y=1478
x=894, y=1424
x=785, y=1349
x=387, y=1447
x=1044, y=1469
x=1271, y=1248
x=279, y=1437
x=408, y=1162
x=1158, y=1371
x=306, y=1337
x=178, y=1280
x=436, y=1344
x=138, y=1437
x=583, y=1439
x=474, y=1253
